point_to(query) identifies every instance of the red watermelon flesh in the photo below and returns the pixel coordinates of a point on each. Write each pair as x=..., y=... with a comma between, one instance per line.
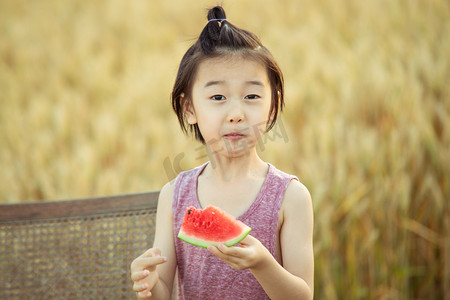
x=211, y=226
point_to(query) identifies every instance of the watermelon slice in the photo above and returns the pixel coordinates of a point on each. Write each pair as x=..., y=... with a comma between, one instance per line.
x=211, y=226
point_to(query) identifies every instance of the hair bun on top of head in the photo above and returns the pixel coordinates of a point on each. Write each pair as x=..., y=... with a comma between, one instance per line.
x=216, y=13
x=220, y=33
x=210, y=35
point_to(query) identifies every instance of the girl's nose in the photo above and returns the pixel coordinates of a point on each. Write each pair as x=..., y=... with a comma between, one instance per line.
x=235, y=119
x=235, y=114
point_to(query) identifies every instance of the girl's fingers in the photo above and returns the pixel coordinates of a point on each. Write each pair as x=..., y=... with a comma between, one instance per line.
x=139, y=275
x=156, y=252
x=213, y=249
x=139, y=287
x=248, y=240
x=149, y=263
x=221, y=251
x=147, y=260
x=237, y=251
x=234, y=262
x=152, y=252
x=144, y=295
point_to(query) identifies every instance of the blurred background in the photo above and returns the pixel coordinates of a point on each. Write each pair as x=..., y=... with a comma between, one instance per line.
x=85, y=111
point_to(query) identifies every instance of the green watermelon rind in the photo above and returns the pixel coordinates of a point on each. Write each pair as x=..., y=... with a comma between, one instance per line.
x=205, y=244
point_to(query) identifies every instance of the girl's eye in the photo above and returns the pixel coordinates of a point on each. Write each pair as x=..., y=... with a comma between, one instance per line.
x=218, y=97
x=252, y=97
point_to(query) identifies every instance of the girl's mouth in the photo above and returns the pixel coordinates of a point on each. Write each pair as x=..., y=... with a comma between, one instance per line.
x=234, y=136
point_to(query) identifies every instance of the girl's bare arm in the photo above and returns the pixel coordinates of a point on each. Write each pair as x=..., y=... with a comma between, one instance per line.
x=165, y=247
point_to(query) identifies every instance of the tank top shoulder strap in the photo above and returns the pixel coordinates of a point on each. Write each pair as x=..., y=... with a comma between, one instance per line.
x=271, y=193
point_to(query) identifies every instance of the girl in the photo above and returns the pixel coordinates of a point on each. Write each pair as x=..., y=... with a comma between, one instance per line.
x=228, y=86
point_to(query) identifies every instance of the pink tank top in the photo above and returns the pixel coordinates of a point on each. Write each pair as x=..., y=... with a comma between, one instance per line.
x=201, y=275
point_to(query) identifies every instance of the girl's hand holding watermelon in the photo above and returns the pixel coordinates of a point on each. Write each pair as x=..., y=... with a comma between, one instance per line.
x=250, y=254
x=143, y=272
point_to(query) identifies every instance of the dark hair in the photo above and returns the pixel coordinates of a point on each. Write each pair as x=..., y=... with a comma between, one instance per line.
x=220, y=37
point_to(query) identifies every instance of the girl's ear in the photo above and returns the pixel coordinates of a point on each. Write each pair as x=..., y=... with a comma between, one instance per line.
x=188, y=108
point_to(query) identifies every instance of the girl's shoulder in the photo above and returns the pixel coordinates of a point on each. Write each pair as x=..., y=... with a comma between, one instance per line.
x=296, y=194
x=166, y=194
x=297, y=190
x=297, y=201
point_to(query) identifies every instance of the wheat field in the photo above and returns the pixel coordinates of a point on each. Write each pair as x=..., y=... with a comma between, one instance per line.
x=85, y=111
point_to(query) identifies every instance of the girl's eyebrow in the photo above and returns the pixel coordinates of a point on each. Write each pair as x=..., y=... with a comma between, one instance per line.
x=255, y=82
x=214, y=82
x=220, y=82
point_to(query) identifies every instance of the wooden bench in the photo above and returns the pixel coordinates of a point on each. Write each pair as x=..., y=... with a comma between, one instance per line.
x=76, y=249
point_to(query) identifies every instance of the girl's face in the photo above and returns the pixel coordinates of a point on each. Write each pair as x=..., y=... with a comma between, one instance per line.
x=231, y=100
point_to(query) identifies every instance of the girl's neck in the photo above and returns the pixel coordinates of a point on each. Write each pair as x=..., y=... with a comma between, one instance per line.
x=225, y=169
